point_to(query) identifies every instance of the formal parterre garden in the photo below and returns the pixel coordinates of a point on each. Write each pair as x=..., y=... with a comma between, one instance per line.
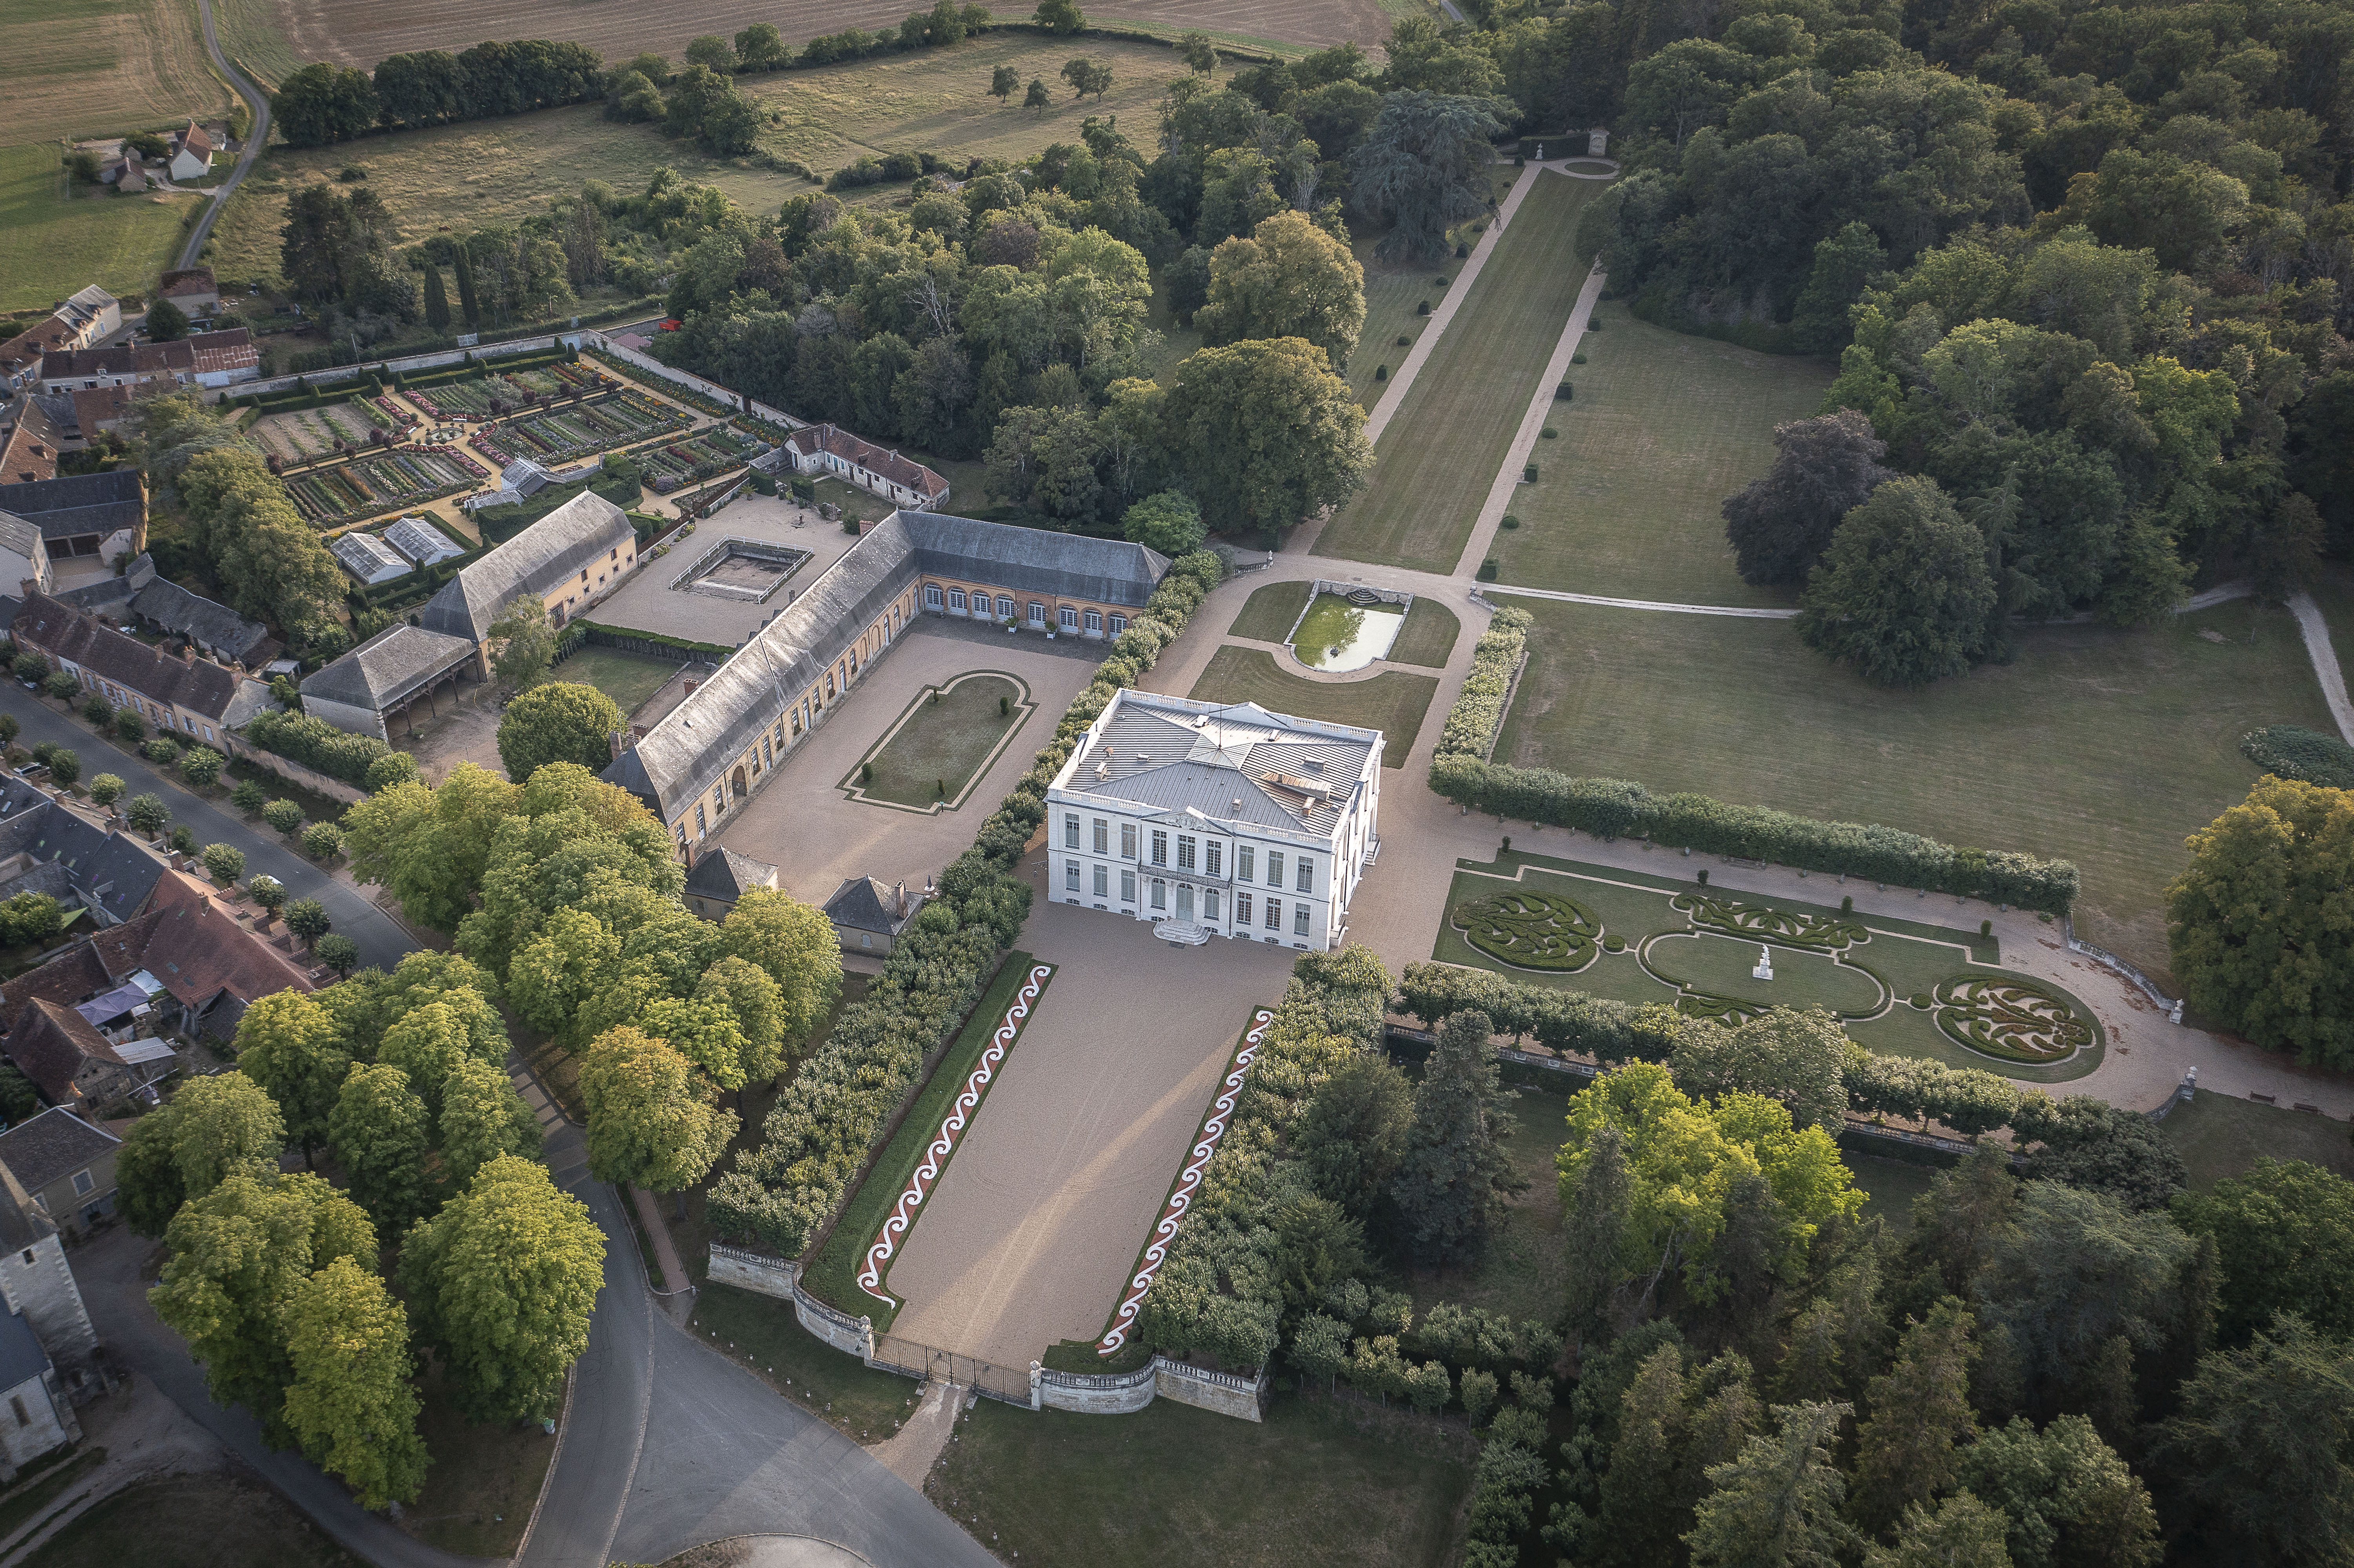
x=578, y=430
x=1897, y=986
x=371, y=484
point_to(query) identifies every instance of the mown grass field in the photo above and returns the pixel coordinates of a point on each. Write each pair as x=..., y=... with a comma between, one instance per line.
x=1659, y=429
x=1440, y=453
x=1392, y=702
x=52, y=244
x=1392, y=290
x=2104, y=747
x=1319, y=1482
x=489, y=172
x=194, y=1521
x=2219, y=1137
x=101, y=67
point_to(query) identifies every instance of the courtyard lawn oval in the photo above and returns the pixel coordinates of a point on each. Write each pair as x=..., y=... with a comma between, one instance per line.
x=1720, y=968
x=930, y=759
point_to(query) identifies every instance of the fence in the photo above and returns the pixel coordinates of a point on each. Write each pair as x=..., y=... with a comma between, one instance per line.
x=915, y=1360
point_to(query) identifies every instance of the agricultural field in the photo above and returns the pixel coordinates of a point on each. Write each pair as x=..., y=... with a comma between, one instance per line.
x=1440, y=453
x=368, y=485
x=2050, y=753
x=491, y=171
x=302, y=434
x=82, y=69
x=1658, y=429
x=52, y=243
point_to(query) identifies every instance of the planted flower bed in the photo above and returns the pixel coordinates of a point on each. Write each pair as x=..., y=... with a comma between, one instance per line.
x=380, y=483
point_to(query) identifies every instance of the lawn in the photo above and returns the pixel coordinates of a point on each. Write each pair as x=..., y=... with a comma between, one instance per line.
x=484, y=1480
x=1269, y=614
x=46, y=1481
x=1520, y=1269
x=1392, y=290
x=2219, y=1137
x=1392, y=702
x=2102, y=747
x=1428, y=638
x=942, y=743
x=193, y=1521
x=51, y=244
x=760, y=1332
x=1909, y=958
x=1437, y=459
x=1660, y=429
x=627, y=678
x=1318, y=1482
x=472, y=174
x=831, y=1275
x=100, y=67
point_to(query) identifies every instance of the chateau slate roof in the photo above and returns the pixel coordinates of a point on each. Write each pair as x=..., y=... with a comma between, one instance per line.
x=213, y=626
x=723, y=873
x=1232, y=763
x=1070, y=566
x=533, y=561
x=388, y=668
x=81, y=504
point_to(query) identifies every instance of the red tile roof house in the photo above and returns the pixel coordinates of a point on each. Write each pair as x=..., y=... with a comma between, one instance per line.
x=829, y=448
x=75, y=1025
x=193, y=696
x=193, y=289
x=205, y=358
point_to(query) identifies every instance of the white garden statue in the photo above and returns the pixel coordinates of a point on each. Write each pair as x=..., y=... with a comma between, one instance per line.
x=1765, y=969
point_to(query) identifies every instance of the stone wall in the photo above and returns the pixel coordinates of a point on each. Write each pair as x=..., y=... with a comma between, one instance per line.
x=712, y=389
x=776, y=1277
x=293, y=772
x=1243, y=1398
x=1092, y=1393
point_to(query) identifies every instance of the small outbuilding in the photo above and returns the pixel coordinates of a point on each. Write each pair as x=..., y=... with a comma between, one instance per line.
x=721, y=877
x=869, y=915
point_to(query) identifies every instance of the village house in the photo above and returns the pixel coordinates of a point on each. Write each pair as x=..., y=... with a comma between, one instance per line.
x=49, y=848
x=192, y=153
x=40, y=1418
x=86, y=318
x=193, y=696
x=66, y=1164
x=98, y=410
x=37, y=1289
x=200, y=359
x=192, y=288
x=831, y=450
x=567, y=560
x=219, y=631
x=91, y=519
x=868, y=916
x=380, y=683
x=1212, y=818
x=29, y=451
x=708, y=755
x=125, y=173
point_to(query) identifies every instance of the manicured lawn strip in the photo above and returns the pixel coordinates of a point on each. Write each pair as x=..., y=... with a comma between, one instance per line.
x=1269, y=614
x=830, y=1275
x=1427, y=639
x=51, y=245
x=1662, y=428
x=194, y=1521
x=761, y=1333
x=1316, y=1483
x=627, y=678
x=1392, y=702
x=944, y=740
x=1392, y=290
x=1439, y=457
x=2101, y=747
x=1520, y=1269
x=479, y=1494
x=2221, y=1135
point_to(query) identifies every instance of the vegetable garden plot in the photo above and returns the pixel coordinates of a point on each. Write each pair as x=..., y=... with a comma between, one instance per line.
x=380, y=483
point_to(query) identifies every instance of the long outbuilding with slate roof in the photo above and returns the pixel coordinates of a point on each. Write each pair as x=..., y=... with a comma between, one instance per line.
x=576, y=554
x=1216, y=820
x=712, y=752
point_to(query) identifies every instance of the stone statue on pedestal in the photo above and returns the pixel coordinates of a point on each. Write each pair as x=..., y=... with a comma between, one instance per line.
x=1765, y=969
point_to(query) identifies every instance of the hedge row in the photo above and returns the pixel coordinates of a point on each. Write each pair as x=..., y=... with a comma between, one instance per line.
x=1613, y=809
x=628, y=638
x=822, y=1125
x=1478, y=711
x=360, y=761
x=1968, y=1100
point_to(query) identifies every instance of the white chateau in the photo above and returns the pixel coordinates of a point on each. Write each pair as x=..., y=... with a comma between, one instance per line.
x=1214, y=820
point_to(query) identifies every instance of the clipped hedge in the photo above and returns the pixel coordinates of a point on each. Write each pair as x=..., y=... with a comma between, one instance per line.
x=823, y=1125
x=2292, y=751
x=322, y=747
x=1478, y=711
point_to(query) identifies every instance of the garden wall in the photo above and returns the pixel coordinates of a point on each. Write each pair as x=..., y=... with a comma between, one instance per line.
x=1243, y=1398
x=775, y=1276
x=654, y=366
x=433, y=361
x=293, y=772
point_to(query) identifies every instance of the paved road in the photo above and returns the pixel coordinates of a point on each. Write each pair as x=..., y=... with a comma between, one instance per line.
x=257, y=138
x=381, y=941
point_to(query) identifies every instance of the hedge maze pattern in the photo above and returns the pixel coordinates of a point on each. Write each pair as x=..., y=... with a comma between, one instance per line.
x=1764, y=922
x=1531, y=930
x=2015, y=1020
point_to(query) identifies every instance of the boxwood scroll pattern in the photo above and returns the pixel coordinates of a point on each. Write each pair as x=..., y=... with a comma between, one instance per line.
x=2016, y=1020
x=1764, y=922
x=1531, y=930
x=1181, y=1196
x=952, y=1126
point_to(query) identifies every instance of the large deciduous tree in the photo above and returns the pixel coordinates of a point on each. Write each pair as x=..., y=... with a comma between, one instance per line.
x=2065, y=1496
x=1265, y=434
x=350, y=1402
x=2257, y=920
x=558, y=721
x=1422, y=168
x=526, y=644
x=2283, y=1234
x=795, y=945
x=1798, y=1057
x=322, y=103
x=650, y=1120
x=1824, y=467
x=212, y=1128
x=1290, y=279
x=382, y=1136
x=482, y=1119
x=288, y=1044
x=1904, y=595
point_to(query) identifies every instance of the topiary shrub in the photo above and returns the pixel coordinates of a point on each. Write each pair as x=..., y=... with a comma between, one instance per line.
x=1549, y=433
x=1528, y=474
x=1381, y=373
x=1511, y=521
x=224, y=863
x=284, y=815
x=249, y=797
x=183, y=839
x=1462, y=249
x=1422, y=309
x=146, y=813
x=1562, y=392
x=322, y=841
x=1579, y=358
x=1404, y=341
x=1487, y=573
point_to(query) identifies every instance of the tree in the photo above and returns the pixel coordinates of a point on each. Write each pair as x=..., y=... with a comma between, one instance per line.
x=1824, y=467
x=762, y=48
x=1290, y=279
x=308, y=918
x=1920, y=1414
x=1037, y=97
x=1778, y=1503
x=2253, y=921
x=558, y=721
x=757, y=1005
x=238, y=1256
x=1168, y=522
x=572, y=957
x=1455, y=1174
x=1200, y=56
x=2285, y=1235
x=501, y=1283
x=2089, y=1143
x=288, y=1044
x=1354, y=1133
x=1904, y=593
x=1060, y=17
x=323, y=103
x=381, y=1135
x=427, y=1044
x=482, y=1117
x=1422, y=169
x=30, y=918
x=350, y=1402
x=2262, y=1448
x=795, y=946
x=527, y=644
x=285, y=816
x=1959, y=1532
x=1003, y=81
x=166, y=323
x=437, y=299
x=222, y=1125
x=651, y=1123
x=469, y=306
x=146, y=813
x=1319, y=1348
x=1087, y=75
x=2064, y=1494
x=148, y=1188
x=65, y=767
x=339, y=953
x=713, y=51
x=1797, y=1057
x=1594, y=1208
x=1265, y=434
x=706, y=1033
x=226, y=862
x=200, y=767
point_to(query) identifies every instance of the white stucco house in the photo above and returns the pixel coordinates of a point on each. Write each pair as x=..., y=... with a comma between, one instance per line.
x=192, y=153
x=1215, y=820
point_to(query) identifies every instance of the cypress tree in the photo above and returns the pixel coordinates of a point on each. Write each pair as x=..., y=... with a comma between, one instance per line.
x=437, y=299
x=466, y=303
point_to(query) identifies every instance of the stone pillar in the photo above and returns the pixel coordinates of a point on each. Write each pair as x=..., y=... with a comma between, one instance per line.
x=1037, y=1386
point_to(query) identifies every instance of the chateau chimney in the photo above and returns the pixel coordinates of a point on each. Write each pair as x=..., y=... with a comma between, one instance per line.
x=899, y=900
x=690, y=686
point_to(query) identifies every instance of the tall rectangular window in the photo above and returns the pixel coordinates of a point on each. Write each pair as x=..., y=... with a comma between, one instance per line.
x=1275, y=914
x=1103, y=879
x=1299, y=919
x=1071, y=876
x=931, y=596
x=1128, y=841
x=1209, y=903
x=1307, y=878
x=1215, y=853
x=1185, y=843
x=1244, y=854
x=1103, y=836
x=955, y=599
x=1118, y=624
x=1069, y=617
x=1159, y=894
x=1242, y=908
x=1160, y=847
x=1004, y=606
x=1070, y=830
x=1275, y=868
x=1128, y=884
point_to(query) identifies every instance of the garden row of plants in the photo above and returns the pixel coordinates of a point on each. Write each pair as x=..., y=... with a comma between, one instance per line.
x=371, y=484
x=686, y=395
x=816, y=1139
x=574, y=430
x=1615, y=808
x=360, y=761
